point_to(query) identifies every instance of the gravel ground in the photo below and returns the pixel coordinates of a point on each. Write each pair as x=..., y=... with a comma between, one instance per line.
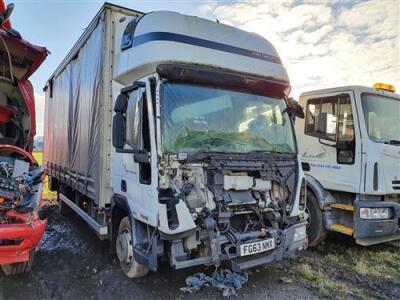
x=73, y=263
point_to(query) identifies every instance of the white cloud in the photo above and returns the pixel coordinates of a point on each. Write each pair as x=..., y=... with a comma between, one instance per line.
x=325, y=43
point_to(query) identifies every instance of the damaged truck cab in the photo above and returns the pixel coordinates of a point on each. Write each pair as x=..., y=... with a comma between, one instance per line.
x=202, y=160
x=21, y=228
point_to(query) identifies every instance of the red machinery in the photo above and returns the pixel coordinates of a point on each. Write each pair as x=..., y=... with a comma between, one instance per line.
x=21, y=227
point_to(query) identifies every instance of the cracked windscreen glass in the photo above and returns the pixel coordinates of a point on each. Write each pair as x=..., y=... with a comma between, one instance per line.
x=206, y=119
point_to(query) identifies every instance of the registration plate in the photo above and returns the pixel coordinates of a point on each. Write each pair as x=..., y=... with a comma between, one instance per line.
x=257, y=247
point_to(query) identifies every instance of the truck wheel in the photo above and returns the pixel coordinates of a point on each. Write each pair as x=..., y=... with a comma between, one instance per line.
x=124, y=247
x=19, y=268
x=315, y=229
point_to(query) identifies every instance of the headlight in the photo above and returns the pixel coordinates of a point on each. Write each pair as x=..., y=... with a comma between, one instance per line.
x=300, y=233
x=367, y=213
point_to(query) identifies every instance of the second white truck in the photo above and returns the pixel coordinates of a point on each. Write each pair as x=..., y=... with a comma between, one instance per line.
x=170, y=135
x=349, y=144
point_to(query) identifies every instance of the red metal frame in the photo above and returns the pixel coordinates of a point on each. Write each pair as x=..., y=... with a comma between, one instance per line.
x=28, y=229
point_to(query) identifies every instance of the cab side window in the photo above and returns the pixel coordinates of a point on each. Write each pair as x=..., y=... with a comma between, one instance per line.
x=331, y=119
x=133, y=119
x=321, y=118
x=345, y=124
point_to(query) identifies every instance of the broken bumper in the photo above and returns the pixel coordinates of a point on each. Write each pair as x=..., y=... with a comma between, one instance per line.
x=374, y=231
x=287, y=244
x=18, y=240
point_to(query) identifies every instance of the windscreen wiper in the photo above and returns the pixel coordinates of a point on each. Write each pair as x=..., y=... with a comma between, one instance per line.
x=393, y=142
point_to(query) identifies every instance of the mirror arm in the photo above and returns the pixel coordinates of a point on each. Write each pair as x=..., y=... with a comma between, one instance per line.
x=122, y=150
x=134, y=86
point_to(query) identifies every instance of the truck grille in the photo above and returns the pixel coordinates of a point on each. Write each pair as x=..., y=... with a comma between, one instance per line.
x=396, y=184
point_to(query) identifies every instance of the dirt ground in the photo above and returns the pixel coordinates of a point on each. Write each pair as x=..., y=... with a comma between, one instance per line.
x=73, y=264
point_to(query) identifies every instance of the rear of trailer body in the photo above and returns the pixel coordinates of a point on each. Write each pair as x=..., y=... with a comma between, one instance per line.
x=124, y=142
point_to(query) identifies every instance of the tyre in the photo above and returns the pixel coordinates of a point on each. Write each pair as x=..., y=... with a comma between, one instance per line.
x=19, y=268
x=315, y=229
x=124, y=248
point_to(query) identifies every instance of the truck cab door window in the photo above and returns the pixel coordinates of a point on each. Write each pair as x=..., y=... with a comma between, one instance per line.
x=331, y=119
x=145, y=168
x=321, y=118
x=137, y=130
x=345, y=141
x=133, y=116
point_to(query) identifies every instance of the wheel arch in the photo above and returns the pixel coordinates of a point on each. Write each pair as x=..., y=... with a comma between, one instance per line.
x=322, y=195
x=119, y=209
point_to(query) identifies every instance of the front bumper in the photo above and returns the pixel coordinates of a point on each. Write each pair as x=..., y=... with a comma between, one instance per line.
x=369, y=232
x=286, y=246
x=18, y=240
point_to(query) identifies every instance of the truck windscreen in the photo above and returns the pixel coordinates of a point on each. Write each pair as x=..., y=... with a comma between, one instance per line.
x=381, y=116
x=198, y=118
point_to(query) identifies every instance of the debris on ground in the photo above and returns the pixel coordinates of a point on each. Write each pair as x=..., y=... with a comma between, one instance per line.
x=223, y=279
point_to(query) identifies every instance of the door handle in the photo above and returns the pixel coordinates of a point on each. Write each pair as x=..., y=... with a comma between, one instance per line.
x=123, y=185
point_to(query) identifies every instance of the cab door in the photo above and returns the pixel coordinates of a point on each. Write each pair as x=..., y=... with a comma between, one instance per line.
x=330, y=145
x=138, y=157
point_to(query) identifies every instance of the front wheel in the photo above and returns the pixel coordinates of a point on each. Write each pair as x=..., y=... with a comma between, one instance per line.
x=315, y=229
x=19, y=268
x=124, y=247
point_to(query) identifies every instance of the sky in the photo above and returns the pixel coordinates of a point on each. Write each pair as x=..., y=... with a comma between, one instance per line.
x=322, y=43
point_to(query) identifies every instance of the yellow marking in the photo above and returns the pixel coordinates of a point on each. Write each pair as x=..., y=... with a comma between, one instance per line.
x=342, y=206
x=342, y=229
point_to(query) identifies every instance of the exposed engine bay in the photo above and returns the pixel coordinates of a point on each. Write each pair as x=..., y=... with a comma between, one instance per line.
x=231, y=202
x=19, y=182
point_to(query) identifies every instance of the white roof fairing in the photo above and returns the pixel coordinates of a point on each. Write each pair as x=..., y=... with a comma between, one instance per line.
x=169, y=37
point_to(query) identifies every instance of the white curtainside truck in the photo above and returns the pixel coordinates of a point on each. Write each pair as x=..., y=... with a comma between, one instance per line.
x=170, y=136
x=350, y=149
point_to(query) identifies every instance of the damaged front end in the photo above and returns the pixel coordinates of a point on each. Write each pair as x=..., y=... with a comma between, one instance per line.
x=241, y=208
x=21, y=227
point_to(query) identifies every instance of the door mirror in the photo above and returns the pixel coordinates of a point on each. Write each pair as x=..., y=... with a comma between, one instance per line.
x=294, y=108
x=119, y=122
x=119, y=131
x=127, y=122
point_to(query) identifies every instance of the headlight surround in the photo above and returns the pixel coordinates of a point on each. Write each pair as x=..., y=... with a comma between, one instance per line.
x=376, y=213
x=300, y=233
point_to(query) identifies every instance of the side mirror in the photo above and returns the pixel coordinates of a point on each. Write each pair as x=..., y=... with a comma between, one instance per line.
x=119, y=131
x=294, y=108
x=119, y=123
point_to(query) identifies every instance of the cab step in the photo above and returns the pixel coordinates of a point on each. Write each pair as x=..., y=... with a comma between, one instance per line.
x=342, y=229
x=346, y=207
